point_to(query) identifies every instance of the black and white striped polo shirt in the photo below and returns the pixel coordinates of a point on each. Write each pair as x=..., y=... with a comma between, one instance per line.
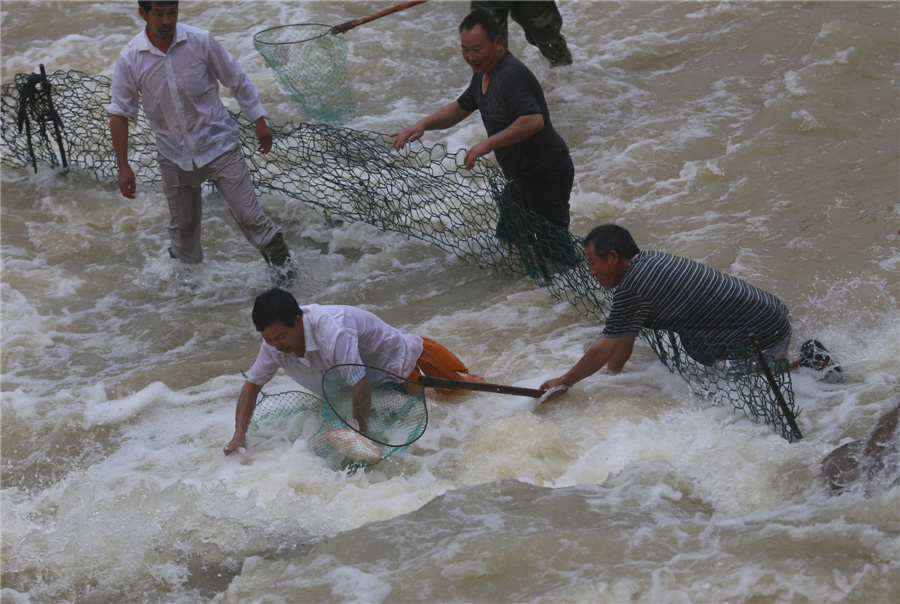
x=707, y=308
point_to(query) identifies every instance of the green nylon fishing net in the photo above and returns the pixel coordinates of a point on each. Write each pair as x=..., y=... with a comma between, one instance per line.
x=395, y=413
x=334, y=442
x=422, y=193
x=310, y=64
x=738, y=380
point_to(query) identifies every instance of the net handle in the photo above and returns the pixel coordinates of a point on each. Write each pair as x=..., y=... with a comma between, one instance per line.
x=795, y=430
x=339, y=29
x=448, y=384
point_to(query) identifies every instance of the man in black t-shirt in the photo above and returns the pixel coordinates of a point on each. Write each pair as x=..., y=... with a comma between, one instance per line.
x=532, y=155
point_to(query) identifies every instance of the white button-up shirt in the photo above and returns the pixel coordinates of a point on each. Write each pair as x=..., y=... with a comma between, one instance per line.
x=179, y=91
x=335, y=335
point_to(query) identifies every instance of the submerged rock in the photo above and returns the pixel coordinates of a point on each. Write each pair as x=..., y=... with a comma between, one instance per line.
x=871, y=465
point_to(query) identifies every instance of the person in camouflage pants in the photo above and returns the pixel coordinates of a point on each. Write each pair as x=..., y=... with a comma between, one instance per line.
x=540, y=20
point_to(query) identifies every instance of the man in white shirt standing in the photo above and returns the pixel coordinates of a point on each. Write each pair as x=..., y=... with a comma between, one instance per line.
x=174, y=71
x=307, y=341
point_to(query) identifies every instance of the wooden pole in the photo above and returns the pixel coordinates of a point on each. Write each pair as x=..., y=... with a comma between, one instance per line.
x=339, y=29
x=774, y=385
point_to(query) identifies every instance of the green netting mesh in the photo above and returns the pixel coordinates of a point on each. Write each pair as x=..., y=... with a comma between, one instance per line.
x=738, y=379
x=423, y=193
x=310, y=64
x=395, y=413
x=338, y=446
x=276, y=407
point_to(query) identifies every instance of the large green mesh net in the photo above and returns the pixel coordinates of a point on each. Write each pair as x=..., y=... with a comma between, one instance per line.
x=423, y=193
x=309, y=61
x=738, y=378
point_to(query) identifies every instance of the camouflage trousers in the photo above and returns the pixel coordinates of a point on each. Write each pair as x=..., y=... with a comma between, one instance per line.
x=540, y=20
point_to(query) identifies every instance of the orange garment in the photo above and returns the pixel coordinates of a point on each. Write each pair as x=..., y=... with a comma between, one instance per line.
x=437, y=361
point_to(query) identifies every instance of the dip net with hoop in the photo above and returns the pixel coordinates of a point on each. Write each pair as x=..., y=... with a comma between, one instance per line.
x=309, y=61
x=335, y=442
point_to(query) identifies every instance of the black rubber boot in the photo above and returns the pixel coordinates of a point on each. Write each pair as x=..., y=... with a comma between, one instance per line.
x=278, y=256
x=558, y=54
x=276, y=251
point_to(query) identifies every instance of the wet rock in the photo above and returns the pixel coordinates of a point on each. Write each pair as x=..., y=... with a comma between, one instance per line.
x=871, y=465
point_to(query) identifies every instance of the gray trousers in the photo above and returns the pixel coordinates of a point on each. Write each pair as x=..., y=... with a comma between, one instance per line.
x=230, y=175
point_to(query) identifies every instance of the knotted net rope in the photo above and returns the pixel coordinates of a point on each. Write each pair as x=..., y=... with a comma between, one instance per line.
x=422, y=193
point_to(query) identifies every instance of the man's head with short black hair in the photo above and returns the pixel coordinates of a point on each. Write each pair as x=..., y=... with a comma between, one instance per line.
x=485, y=20
x=148, y=5
x=607, y=238
x=275, y=306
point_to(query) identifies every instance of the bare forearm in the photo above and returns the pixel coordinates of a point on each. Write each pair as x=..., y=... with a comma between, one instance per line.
x=245, y=407
x=446, y=117
x=242, y=414
x=592, y=362
x=118, y=129
x=524, y=127
x=621, y=355
x=612, y=352
x=362, y=403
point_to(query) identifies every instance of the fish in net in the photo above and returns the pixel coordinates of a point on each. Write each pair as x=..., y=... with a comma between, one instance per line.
x=337, y=444
x=384, y=408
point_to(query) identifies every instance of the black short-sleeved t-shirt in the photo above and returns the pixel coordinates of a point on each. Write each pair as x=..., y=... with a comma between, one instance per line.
x=514, y=91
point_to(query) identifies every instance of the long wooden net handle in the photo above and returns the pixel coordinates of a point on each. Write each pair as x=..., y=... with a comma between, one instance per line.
x=446, y=384
x=339, y=29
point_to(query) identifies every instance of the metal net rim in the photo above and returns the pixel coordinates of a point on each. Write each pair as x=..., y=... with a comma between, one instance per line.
x=260, y=42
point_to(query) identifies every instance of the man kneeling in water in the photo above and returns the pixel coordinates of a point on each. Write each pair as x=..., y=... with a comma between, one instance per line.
x=307, y=341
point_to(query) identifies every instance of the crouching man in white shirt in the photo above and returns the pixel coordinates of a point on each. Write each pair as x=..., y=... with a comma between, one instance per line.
x=307, y=341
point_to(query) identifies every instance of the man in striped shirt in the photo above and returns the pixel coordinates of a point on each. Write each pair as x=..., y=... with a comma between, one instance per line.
x=713, y=313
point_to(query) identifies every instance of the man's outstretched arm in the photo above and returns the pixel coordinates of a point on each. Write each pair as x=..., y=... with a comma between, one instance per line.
x=242, y=414
x=445, y=117
x=615, y=351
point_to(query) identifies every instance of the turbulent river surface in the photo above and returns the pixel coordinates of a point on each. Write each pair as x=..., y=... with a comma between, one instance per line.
x=759, y=138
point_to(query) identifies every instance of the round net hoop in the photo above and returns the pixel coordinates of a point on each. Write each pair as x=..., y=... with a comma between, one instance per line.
x=309, y=63
x=291, y=34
